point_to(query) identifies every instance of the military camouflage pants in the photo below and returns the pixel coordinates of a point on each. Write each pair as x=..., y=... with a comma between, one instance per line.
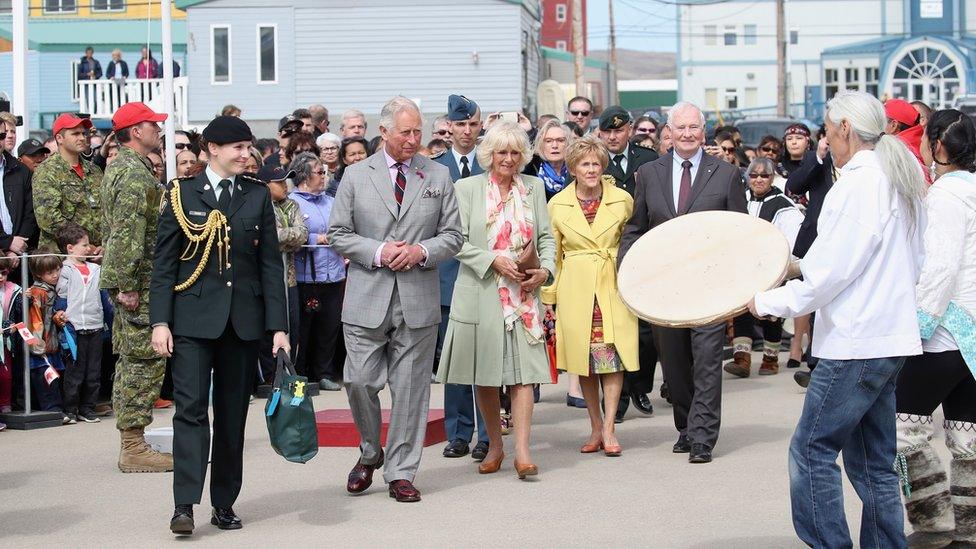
x=139, y=371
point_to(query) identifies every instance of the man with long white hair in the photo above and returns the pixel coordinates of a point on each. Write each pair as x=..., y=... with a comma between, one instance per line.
x=859, y=275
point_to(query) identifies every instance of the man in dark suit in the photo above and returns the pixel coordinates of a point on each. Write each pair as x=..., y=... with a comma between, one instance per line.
x=213, y=323
x=464, y=116
x=616, y=129
x=687, y=180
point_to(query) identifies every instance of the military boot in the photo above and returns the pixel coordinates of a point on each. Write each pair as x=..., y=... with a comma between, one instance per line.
x=137, y=457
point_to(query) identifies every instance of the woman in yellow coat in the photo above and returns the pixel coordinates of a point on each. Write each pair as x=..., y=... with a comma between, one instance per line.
x=596, y=335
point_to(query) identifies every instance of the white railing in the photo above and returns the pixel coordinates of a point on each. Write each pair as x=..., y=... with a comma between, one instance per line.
x=101, y=98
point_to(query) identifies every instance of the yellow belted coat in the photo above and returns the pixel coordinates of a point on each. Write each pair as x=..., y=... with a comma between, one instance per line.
x=586, y=266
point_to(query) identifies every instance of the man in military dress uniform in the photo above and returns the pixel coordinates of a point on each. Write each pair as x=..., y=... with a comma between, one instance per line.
x=67, y=186
x=217, y=288
x=130, y=194
x=616, y=129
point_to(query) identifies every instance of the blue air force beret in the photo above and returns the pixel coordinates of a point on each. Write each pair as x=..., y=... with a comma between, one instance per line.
x=614, y=117
x=227, y=129
x=460, y=107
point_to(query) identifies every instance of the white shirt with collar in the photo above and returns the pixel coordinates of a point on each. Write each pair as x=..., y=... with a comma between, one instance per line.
x=860, y=273
x=391, y=164
x=676, y=171
x=215, y=182
x=624, y=161
x=458, y=156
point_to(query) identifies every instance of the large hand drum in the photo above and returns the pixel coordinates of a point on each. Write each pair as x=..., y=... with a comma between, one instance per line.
x=700, y=268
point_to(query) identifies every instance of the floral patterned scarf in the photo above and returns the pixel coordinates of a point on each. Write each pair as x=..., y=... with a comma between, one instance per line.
x=510, y=228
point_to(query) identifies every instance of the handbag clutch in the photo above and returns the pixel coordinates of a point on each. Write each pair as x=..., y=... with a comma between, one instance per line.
x=528, y=259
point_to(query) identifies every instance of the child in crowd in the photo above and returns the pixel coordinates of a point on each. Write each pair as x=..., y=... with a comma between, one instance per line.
x=44, y=324
x=11, y=309
x=78, y=287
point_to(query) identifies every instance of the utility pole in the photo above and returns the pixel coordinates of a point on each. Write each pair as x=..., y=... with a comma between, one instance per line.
x=613, y=56
x=578, y=47
x=782, y=102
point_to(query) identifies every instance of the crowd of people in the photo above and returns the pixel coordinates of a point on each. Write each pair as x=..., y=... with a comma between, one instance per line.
x=485, y=258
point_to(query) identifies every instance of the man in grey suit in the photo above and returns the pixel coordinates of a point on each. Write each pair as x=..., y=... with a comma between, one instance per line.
x=683, y=181
x=395, y=219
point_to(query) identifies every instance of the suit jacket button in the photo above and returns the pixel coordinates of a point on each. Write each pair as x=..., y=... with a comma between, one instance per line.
x=229, y=283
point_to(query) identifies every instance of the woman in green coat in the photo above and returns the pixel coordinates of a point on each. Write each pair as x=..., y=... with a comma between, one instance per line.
x=494, y=336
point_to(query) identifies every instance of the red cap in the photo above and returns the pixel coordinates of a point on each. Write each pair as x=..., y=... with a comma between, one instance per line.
x=134, y=113
x=901, y=111
x=67, y=121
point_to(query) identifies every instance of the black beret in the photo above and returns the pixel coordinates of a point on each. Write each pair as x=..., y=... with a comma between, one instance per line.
x=227, y=129
x=460, y=107
x=614, y=117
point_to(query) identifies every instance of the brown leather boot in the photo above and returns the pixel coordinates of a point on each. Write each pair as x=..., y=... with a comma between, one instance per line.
x=137, y=457
x=769, y=366
x=741, y=364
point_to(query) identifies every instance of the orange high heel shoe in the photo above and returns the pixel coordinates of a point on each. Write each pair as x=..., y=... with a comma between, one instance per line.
x=613, y=451
x=591, y=448
x=525, y=470
x=488, y=467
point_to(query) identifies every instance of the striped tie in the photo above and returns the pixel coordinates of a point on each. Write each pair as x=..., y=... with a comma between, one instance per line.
x=401, y=182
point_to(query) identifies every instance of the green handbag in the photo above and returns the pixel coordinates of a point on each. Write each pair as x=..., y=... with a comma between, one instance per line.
x=290, y=416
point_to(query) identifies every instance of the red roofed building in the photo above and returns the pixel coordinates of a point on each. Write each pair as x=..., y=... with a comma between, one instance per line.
x=557, y=24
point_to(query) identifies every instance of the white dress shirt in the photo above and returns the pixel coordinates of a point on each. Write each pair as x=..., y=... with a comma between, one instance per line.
x=5, y=219
x=215, y=182
x=458, y=156
x=860, y=273
x=676, y=170
x=623, y=161
x=392, y=162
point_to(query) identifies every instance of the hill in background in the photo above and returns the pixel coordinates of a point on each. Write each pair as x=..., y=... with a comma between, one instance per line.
x=641, y=65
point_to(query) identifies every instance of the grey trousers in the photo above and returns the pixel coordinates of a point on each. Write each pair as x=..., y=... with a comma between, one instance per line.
x=692, y=361
x=402, y=356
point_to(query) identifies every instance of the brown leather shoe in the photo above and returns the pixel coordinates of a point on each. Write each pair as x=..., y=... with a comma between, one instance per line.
x=487, y=467
x=770, y=366
x=361, y=476
x=404, y=491
x=591, y=448
x=741, y=364
x=525, y=470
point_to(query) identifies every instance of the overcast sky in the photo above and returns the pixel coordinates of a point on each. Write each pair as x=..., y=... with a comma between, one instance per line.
x=640, y=24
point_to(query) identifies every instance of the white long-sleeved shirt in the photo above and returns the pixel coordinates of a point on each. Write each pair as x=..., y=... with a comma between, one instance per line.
x=860, y=273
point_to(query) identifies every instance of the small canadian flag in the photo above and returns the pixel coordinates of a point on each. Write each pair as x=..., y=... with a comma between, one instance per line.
x=26, y=334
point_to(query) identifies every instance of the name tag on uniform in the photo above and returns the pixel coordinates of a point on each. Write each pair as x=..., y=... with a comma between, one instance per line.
x=201, y=214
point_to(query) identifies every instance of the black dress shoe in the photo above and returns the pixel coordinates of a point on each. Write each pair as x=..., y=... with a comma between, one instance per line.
x=182, y=522
x=480, y=451
x=700, y=453
x=642, y=403
x=225, y=519
x=456, y=449
x=683, y=446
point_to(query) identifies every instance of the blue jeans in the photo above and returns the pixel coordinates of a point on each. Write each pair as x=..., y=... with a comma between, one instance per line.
x=849, y=408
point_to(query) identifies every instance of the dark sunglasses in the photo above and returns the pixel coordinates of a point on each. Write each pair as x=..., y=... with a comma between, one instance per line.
x=181, y=146
x=756, y=175
x=729, y=150
x=646, y=130
x=769, y=149
x=579, y=113
x=443, y=132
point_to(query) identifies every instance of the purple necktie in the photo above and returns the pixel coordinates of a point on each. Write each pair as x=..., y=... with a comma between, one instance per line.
x=401, y=183
x=684, y=191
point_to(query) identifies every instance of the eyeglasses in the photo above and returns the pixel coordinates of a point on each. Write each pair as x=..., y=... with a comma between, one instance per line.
x=728, y=150
x=181, y=146
x=329, y=149
x=443, y=132
x=580, y=113
x=320, y=172
x=553, y=140
x=646, y=130
x=757, y=175
x=769, y=149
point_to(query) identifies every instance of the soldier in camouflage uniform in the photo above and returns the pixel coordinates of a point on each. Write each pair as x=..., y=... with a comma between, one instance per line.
x=67, y=187
x=131, y=198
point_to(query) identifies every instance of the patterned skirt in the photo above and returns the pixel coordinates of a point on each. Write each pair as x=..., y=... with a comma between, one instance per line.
x=603, y=356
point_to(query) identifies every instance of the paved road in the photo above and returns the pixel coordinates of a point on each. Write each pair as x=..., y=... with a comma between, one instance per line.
x=60, y=488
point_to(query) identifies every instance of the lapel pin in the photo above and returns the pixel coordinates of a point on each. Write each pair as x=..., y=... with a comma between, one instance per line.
x=206, y=187
x=239, y=187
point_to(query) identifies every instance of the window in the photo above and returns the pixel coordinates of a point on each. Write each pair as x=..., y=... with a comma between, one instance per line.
x=267, y=54
x=60, y=6
x=794, y=37
x=730, y=38
x=711, y=35
x=749, y=35
x=74, y=80
x=830, y=83
x=108, y=5
x=731, y=98
x=852, y=78
x=6, y=7
x=561, y=45
x=219, y=54
x=871, y=80
x=752, y=97
x=560, y=13
x=711, y=99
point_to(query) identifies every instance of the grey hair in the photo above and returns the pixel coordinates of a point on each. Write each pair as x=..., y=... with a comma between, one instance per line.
x=504, y=134
x=392, y=108
x=540, y=136
x=764, y=163
x=438, y=120
x=352, y=113
x=330, y=137
x=303, y=165
x=867, y=118
x=681, y=106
